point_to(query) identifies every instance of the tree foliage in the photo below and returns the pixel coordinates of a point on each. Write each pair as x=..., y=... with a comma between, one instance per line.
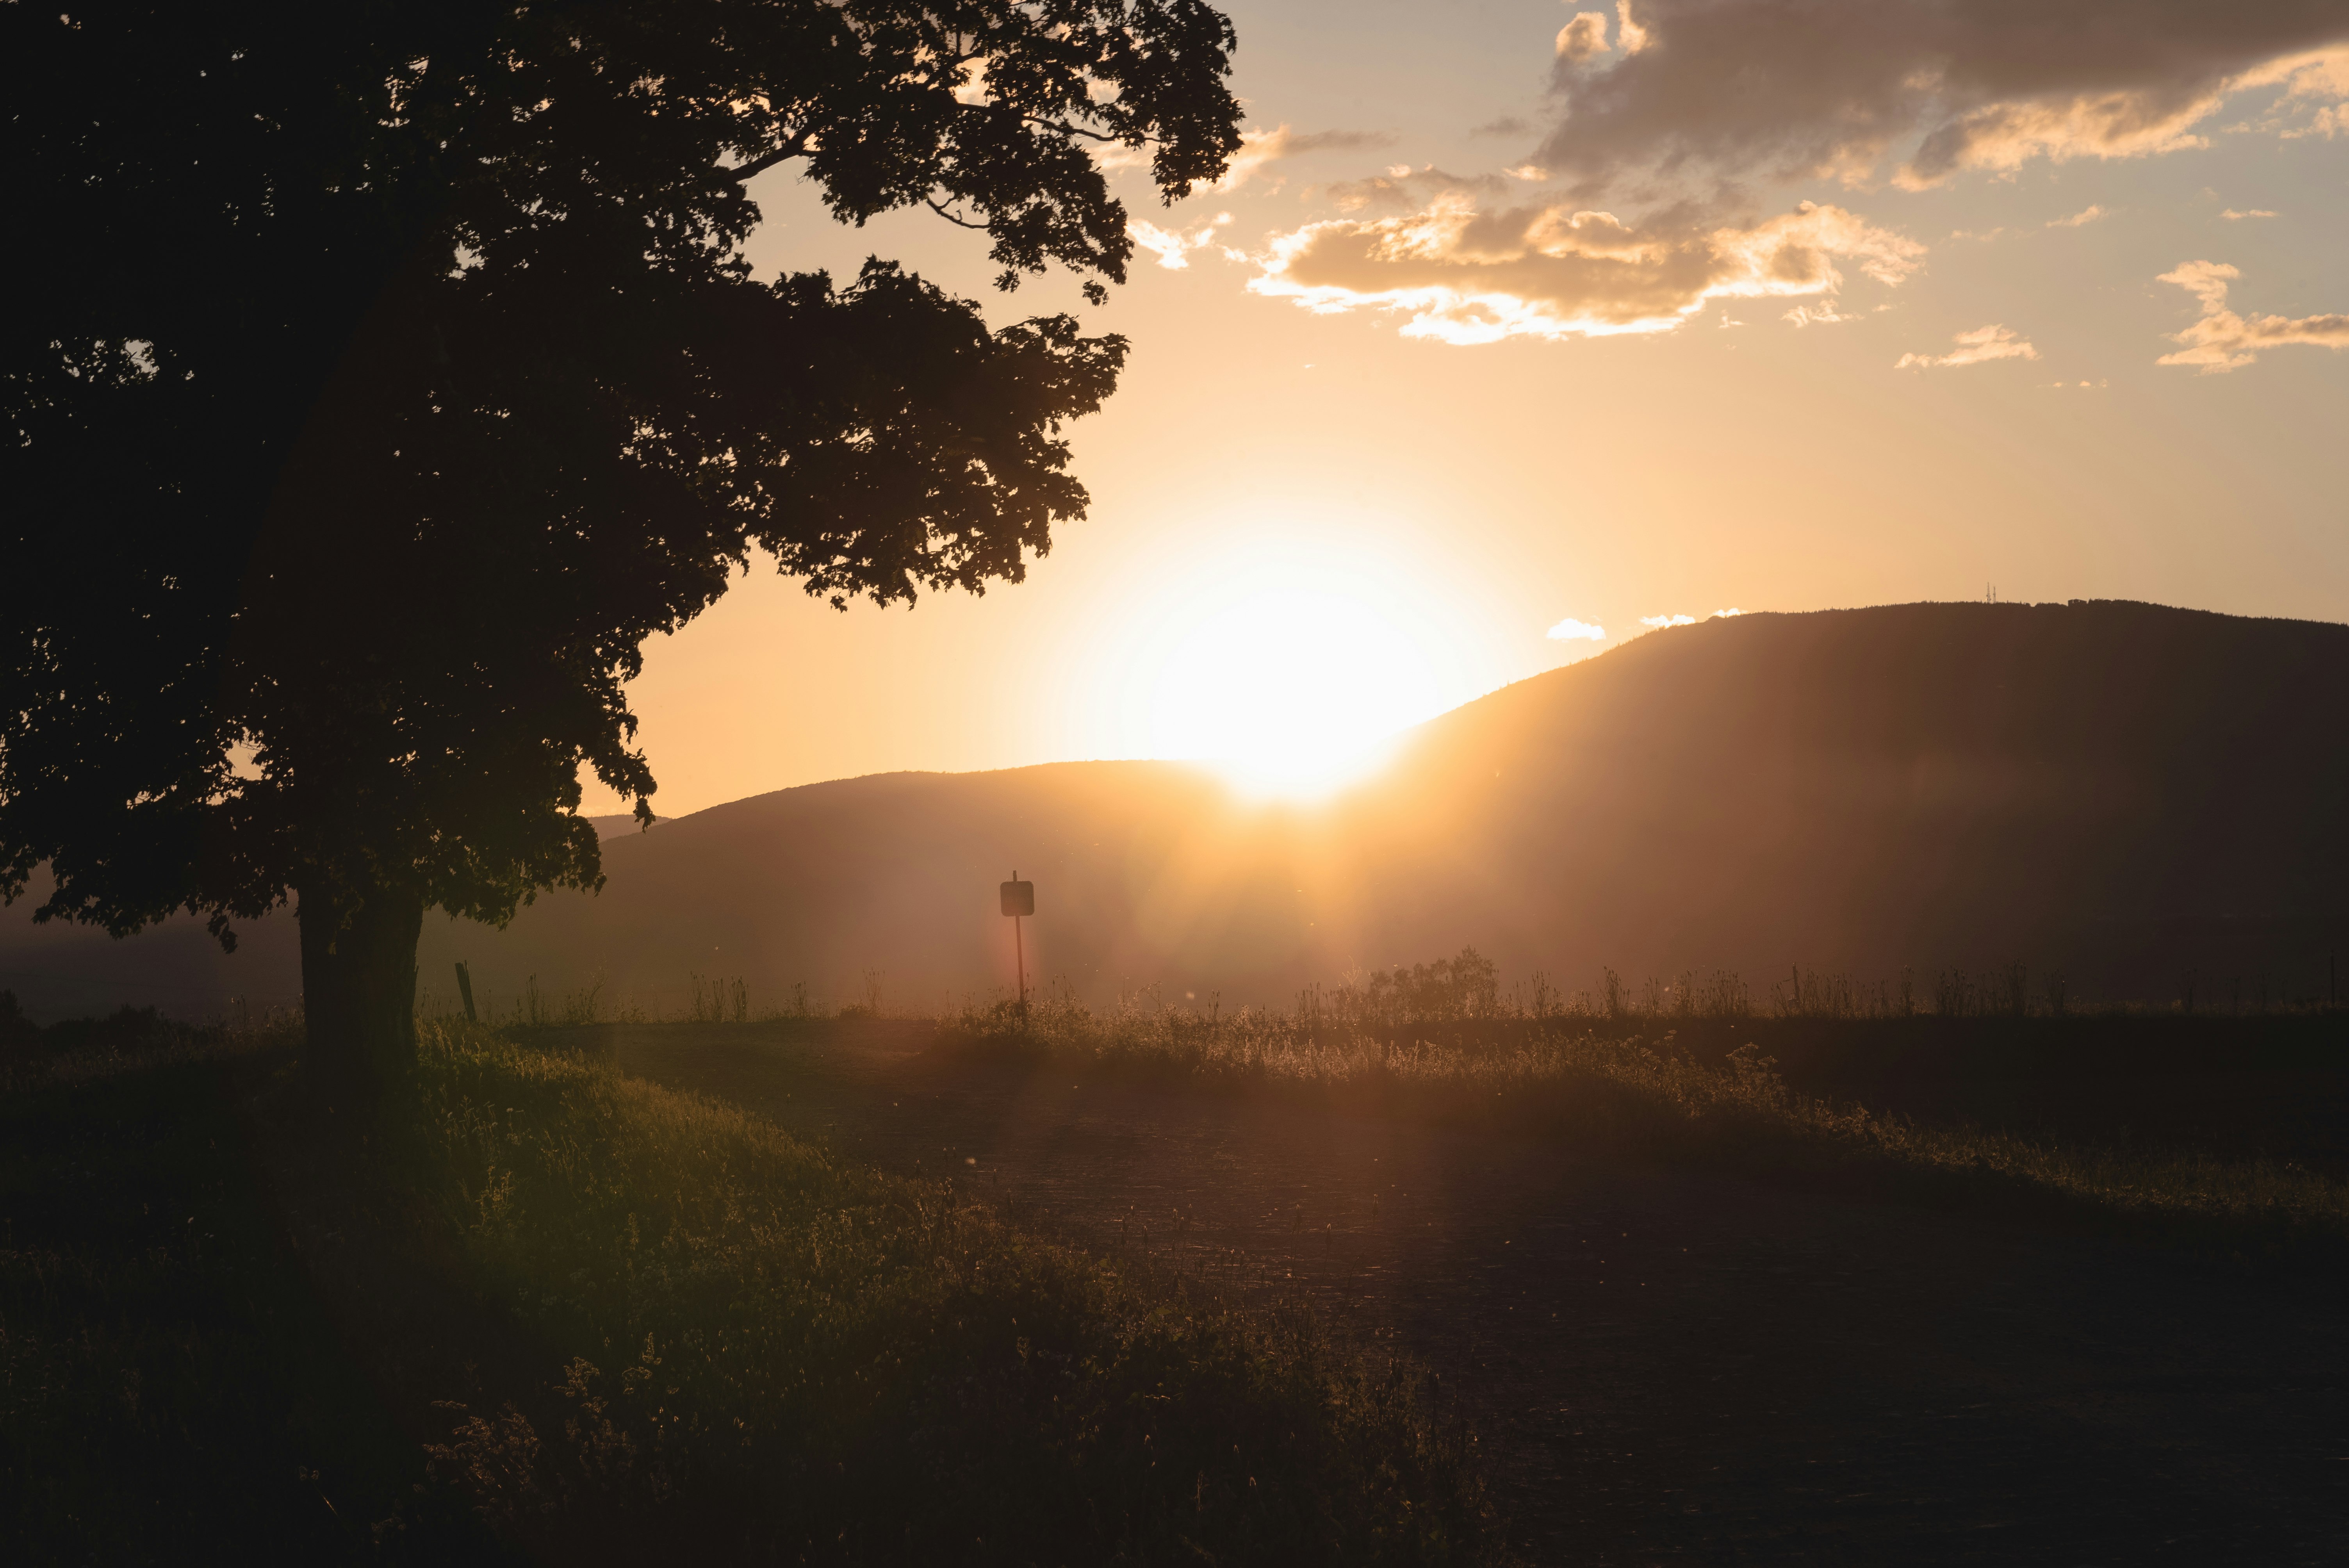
x=380, y=376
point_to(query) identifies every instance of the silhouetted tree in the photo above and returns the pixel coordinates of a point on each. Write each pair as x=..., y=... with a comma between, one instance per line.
x=380, y=374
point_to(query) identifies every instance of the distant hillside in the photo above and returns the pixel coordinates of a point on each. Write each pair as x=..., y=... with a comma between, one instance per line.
x=2122, y=791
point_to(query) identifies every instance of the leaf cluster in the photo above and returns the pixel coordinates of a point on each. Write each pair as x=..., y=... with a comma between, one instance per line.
x=387, y=374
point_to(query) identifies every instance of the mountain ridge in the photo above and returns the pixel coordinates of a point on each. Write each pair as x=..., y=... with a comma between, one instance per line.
x=2131, y=793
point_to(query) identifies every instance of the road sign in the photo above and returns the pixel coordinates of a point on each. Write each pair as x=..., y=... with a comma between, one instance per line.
x=1019, y=900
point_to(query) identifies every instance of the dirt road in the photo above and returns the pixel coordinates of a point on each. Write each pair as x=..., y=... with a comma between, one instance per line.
x=1661, y=1365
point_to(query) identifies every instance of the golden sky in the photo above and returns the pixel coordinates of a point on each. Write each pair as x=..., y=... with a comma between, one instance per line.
x=1520, y=326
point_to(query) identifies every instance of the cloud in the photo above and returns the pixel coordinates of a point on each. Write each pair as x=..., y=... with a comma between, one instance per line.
x=2223, y=341
x=1569, y=629
x=1718, y=614
x=2206, y=281
x=1258, y=147
x=1502, y=125
x=2327, y=123
x=1584, y=38
x=1633, y=36
x=1808, y=87
x=2233, y=216
x=1660, y=621
x=1980, y=346
x=1402, y=186
x=1172, y=247
x=1554, y=272
x=2085, y=215
x=2320, y=78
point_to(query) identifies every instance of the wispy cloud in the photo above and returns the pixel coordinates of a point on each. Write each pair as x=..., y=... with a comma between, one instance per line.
x=1172, y=247
x=1468, y=277
x=1629, y=32
x=2085, y=215
x=1658, y=623
x=1570, y=630
x=2236, y=215
x=2328, y=123
x=1401, y=186
x=1980, y=346
x=2316, y=84
x=1830, y=87
x=2223, y=340
x=1584, y=38
x=1258, y=147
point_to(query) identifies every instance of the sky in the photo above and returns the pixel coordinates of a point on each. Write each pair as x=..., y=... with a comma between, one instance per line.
x=1520, y=328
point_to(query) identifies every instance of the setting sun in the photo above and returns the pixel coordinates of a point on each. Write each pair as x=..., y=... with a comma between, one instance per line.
x=1289, y=668
x=1292, y=691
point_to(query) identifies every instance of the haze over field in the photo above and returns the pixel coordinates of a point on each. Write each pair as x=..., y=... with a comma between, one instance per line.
x=1508, y=337
x=2124, y=792
x=2120, y=791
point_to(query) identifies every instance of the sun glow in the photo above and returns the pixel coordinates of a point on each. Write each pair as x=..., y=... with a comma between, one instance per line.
x=1290, y=665
x=1291, y=691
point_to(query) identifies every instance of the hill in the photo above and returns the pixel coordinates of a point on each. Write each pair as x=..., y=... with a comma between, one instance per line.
x=2124, y=791
x=2134, y=795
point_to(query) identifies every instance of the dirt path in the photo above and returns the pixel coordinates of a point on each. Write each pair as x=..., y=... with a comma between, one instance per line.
x=1664, y=1365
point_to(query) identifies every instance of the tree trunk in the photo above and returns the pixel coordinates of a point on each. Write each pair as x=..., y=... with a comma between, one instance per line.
x=358, y=990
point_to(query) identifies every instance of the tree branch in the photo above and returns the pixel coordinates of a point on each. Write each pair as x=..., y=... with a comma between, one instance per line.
x=1066, y=127
x=932, y=205
x=795, y=148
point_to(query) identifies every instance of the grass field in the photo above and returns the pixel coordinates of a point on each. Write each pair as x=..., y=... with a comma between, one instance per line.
x=171, y=1384
x=2221, y=1132
x=536, y=1306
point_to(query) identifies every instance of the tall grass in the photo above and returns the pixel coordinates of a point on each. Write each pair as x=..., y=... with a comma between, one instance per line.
x=757, y=1350
x=629, y=1324
x=703, y=999
x=80, y=1050
x=1609, y=1073
x=171, y=1387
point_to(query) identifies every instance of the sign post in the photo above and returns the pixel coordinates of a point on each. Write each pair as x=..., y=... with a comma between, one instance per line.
x=1020, y=901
